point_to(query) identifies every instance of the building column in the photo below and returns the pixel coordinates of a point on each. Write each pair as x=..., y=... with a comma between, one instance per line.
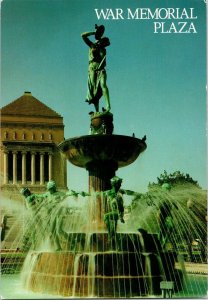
x=24, y=167
x=5, y=167
x=42, y=168
x=33, y=168
x=14, y=167
x=50, y=166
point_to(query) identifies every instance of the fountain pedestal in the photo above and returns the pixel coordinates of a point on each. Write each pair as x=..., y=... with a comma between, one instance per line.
x=100, y=173
x=101, y=155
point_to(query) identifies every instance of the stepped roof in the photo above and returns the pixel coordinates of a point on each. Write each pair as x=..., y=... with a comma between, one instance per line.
x=27, y=105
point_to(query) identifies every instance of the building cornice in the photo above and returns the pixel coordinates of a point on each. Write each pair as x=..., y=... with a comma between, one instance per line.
x=31, y=125
x=28, y=146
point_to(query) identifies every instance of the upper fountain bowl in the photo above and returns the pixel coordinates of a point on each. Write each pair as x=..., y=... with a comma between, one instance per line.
x=120, y=149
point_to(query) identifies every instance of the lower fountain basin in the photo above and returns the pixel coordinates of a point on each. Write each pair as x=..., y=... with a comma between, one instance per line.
x=110, y=274
x=89, y=270
x=119, y=149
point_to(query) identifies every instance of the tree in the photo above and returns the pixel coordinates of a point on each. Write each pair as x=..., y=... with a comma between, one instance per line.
x=174, y=178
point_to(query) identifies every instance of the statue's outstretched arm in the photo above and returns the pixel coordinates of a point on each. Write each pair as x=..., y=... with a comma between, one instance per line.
x=129, y=192
x=71, y=193
x=85, y=37
x=76, y=194
x=84, y=194
x=40, y=196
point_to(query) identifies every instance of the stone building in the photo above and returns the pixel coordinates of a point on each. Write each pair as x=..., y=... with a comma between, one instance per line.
x=30, y=132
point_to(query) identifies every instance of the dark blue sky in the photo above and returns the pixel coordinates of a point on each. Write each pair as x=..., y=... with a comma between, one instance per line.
x=157, y=82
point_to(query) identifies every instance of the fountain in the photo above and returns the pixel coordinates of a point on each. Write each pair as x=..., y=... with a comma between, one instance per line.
x=98, y=260
x=88, y=251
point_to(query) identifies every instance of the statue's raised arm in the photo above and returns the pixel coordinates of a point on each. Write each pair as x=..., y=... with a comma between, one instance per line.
x=86, y=39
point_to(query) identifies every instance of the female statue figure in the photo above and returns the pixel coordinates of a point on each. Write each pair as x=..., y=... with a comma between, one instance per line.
x=97, y=76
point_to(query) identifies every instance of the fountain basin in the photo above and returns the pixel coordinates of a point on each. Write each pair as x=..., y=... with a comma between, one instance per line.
x=94, y=275
x=128, y=271
x=120, y=150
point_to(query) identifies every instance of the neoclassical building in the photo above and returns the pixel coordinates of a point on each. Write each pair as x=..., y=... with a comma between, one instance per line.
x=30, y=133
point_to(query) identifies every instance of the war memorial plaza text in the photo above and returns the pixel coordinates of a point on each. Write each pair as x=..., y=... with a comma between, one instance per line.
x=181, y=14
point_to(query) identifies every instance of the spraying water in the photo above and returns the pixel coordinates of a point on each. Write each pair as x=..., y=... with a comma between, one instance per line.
x=89, y=265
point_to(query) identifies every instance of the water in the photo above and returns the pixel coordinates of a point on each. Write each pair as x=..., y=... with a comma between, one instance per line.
x=91, y=274
x=11, y=289
x=91, y=265
x=76, y=264
x=196, y=287
x=187, y=207
x=29, y=263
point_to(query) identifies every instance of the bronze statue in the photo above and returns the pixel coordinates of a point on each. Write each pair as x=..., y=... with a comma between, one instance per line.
x=35, y=227
x=97, y=76
x=47, y=217
x=115, y=208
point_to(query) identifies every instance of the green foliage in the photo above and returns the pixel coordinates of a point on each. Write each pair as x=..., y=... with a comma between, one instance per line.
x=154, y=189
x=173, y=179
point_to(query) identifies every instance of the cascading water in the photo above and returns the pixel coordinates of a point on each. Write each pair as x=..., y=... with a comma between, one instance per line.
x=28, y=267
x=89, y=265
x=91, y=274
x=76, y=265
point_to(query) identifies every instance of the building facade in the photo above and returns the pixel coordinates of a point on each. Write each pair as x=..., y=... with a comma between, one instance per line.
x=30, y=133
